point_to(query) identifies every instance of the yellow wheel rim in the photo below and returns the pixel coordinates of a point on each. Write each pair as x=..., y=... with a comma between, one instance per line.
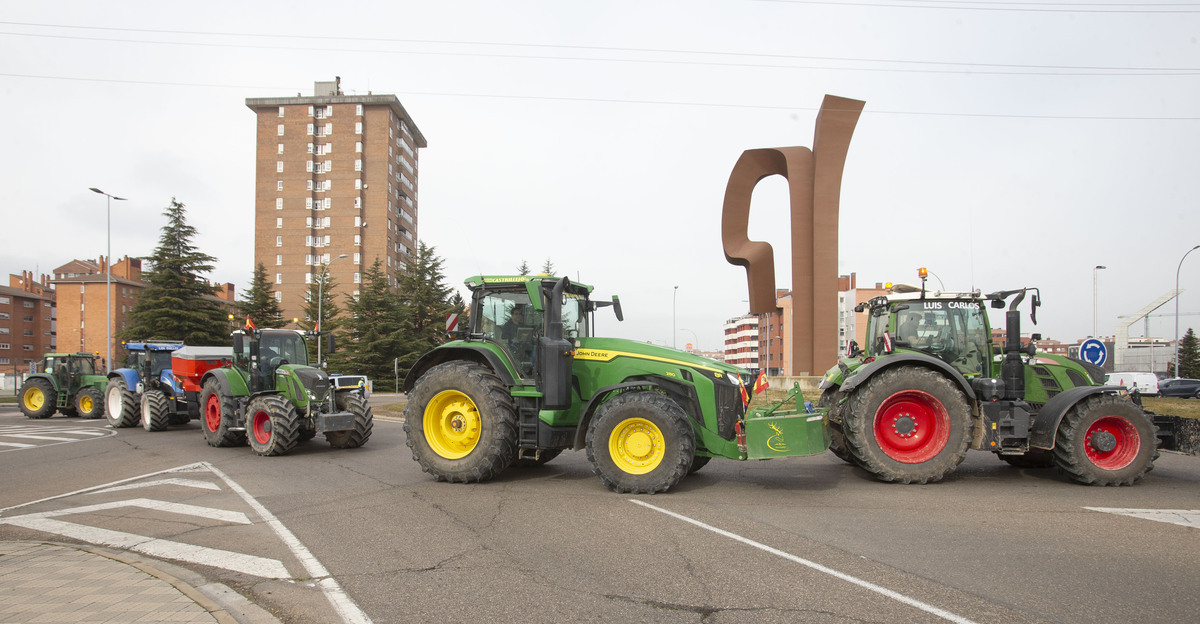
x=636, y=446
x=86, y=404
x=452, y=424
x=34, y=399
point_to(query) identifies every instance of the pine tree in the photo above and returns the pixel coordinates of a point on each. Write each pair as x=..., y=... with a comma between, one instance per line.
x=548, y=267
x=426, y=299
x=1189, y=356
x=321, y=289
x=523, y=269
x=259, y=304
x=374, y=334
x=179, y=303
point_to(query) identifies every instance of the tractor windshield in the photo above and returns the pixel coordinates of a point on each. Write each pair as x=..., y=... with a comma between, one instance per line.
x=278, y=348
x=84, y=366
x=953, y=331
x=159, y=362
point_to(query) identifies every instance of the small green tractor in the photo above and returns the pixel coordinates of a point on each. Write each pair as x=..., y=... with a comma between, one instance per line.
x=529, y=379
x=68, y=383
x=270, y=397
x=931, y=385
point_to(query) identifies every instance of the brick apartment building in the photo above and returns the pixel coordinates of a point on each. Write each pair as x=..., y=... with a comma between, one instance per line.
x=335, y=174
x=27, y=321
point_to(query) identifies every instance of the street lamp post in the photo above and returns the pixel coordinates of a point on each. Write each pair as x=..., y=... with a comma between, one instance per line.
x=1095, y=298
x=321, y=299
x=674, y=296
x=1177, y=308
x=108, y=273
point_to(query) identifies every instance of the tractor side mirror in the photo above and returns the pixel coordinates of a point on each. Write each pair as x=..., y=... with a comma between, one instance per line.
x=330, y=343
x=617, y=308
x=239, y=343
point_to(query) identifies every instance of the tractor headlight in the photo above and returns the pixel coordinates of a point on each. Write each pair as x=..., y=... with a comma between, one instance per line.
x=311, y=396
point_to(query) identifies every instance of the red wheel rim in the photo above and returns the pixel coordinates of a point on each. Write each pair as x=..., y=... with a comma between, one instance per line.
x=212, y=413
x=1125, y=435
x=261, y=425
x=912, y=427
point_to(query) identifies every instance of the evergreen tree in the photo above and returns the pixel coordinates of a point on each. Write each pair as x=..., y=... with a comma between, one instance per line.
x=548, y=267
x=178, y=303
x=426, y=299
x=259, y=304
x=1189, y=356
x=523, y=269
x=322, y=289
x=374, y=334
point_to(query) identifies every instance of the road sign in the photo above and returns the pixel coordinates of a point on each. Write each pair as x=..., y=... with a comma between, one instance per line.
x=1093, y=351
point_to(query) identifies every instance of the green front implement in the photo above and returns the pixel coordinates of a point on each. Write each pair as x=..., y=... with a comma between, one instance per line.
x=790, y=428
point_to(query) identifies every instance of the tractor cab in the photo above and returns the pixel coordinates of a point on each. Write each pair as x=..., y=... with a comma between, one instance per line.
x=67, y=367
x=514, y=315
x=260, y=353
x=952, y=327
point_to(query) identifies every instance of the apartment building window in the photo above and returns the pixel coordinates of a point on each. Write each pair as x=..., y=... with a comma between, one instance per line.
x=328, y=129
x=308, y=185
x=358, y=165
x=310, y=129
x=357, y=280
x=278, y=259
x=28, y=318
x=279, y=185
x=28, y=304
x=327, y=203
x=5, y=361
x=358, y=202
x=278, y=222
x=358, y=109
x=278, y=296
x=308, y=166
x=310, y=148
x=357, y=221
x=328, y=185
x=278, y=203
x=279, y=241
x=4, y=330
x=279, y=167
x=4, y=299
x=358, y=240
x=3, y=316
x=358, y=146
x=357, y=258
x=358, y=185
x=328, y=166
x=329, y=111
x=310, y=111
x=281, y=111
x=357, y=127
x=4, y=346
x=308, y=203
x=281, y=148
x=28, y=332
x=279, y=278
x=280, y=129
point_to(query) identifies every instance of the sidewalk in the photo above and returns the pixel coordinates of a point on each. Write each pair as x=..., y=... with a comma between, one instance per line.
x=51, y=582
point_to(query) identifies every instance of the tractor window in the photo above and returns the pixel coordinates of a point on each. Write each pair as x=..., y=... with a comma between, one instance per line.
x=574, y=317
x=286, y=346
x=953, y=331
x=86, y=366
x=509, y=319
x=159, y=362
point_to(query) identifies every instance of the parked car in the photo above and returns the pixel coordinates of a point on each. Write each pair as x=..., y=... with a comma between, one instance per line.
x=1145, y=383
x=1186, y=388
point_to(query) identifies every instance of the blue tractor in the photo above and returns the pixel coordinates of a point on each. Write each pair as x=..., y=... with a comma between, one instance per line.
x=148, y=366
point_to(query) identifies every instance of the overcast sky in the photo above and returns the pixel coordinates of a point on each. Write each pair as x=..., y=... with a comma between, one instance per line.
x=1002, y=144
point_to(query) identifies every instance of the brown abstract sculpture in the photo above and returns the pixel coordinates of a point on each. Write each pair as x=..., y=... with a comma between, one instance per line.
x=814, y=183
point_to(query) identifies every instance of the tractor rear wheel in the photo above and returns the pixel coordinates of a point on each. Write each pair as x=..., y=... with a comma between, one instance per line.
x=461, y=423
x=154, y=411
x=832, y=398
x=1106, y=440
x=37, y=398
x=272, y=424
x=363, y=423
x=216, y=416
x=121, y=405
x=907, y=424
x=89, y=403
x=640, y=442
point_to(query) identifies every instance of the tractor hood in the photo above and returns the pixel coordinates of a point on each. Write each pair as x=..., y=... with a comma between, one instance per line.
x=609, y=349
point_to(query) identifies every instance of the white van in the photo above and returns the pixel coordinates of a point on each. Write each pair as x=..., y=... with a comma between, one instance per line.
x=1146, y=383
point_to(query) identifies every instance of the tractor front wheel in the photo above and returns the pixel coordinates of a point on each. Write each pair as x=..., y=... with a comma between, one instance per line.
x=154, y=411
x=461, y=423
x=1106, y=440
x=363, y=423
x=37, y=398
x=640, y=442
x=217, y=412
x=89, y=403
x=907, y=424
x=273, y=425
x=121, y=405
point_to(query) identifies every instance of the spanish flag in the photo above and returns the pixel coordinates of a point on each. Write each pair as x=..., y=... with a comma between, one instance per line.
x=249, y=324
x=761, y=384
x=742, y=387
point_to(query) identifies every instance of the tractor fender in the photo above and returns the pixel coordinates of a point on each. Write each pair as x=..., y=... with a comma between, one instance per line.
x=222, y=377
x=866, y=371
x=593, y=404
x=129, y=375
x=473, y=353
x=1045, y=425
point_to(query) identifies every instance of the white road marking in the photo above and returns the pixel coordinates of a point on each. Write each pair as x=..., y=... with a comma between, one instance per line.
x=912, y=602
x=342, y=603
x=1182, y=517
x=165, y=549
x=30, y=436
x=87, y=432
x=223, y=515
x=50, y=434
x=17, y=444
x=204, y=485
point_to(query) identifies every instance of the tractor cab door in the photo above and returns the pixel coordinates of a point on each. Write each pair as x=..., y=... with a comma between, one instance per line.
x=507, y=318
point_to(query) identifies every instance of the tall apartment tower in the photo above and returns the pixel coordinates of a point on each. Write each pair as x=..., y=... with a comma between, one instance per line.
x=335, y=174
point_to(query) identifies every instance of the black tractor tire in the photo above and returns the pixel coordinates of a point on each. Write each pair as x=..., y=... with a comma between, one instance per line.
x=832, y=398
x=272, y=425
x=698, y=462
x=1106, y=440
x=89, y=403
x=461, y=423
x=37, y=398
x=217, y=412
x=543, y=457
x=640, y=442
x=120, y=404
x=364, y=421
x=307, y=434
x=1033, y=459
x=907, y=424
x=154, y=410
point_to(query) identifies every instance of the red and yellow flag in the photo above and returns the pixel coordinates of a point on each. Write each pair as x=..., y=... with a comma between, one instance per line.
x=761, y=384
x=249, y=324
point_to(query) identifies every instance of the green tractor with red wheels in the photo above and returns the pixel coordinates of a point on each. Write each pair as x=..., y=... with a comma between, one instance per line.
x=272, y=399
x=67, y=383
x=930, y=385
x=529, y=379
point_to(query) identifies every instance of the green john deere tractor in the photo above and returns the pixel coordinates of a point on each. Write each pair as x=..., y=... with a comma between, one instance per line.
x=931, y=385
x=68, y=383
x=273, y=399
x=529, y=379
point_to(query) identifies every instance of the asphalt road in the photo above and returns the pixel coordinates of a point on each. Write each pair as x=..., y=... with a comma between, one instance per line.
x=797, y=540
